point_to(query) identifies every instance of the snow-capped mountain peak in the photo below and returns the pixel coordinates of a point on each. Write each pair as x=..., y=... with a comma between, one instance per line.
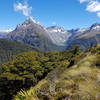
x=57, y=29
x=95, y=26
x=29, y=21
x=32, y=20
x=82, y=30
x=58, y=35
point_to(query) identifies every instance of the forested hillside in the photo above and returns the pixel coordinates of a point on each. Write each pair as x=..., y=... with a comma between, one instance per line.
x=10, y=48
x=71, y=74
x=49, y=50
x=81, y=81
x=27, y=69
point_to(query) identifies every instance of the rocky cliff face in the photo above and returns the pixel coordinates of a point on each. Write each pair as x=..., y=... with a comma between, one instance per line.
x=58, y=35
x=85, y=37
x=54, y=38
x=33, y=33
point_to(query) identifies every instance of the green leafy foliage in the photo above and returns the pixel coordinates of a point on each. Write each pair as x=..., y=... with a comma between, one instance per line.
x=26, y=69
x=80, y=81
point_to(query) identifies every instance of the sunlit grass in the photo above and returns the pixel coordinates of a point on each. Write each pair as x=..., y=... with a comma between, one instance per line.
x=80, y=82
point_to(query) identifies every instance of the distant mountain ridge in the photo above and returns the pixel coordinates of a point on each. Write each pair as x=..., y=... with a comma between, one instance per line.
x=87, y=38
x=58, y=35
x=3, y=33
x=54, y=37
x=33, y=33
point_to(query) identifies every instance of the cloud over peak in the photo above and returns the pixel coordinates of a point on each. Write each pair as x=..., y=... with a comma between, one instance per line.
x=92, y=6
x=23, y=8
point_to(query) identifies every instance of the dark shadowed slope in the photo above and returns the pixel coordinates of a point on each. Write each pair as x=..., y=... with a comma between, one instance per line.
x=10, y=48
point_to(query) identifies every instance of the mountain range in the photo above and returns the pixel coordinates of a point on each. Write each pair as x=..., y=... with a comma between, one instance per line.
x=85, y=37
x=53, y=75
x=33, y=33
x=54, y=37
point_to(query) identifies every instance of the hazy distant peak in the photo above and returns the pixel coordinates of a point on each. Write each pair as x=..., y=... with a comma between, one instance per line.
x=56, y=29
x=58, y=35
x=6, y=31
x=3, y=33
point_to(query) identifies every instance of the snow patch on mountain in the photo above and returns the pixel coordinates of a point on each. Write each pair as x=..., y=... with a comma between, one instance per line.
x=58, y=35
x=95, y=27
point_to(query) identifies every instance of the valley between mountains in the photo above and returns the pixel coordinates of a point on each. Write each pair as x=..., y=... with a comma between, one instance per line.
x=54, y=37
x=49, y=63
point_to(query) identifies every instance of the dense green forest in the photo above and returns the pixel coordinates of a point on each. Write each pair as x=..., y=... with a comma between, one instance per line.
x=33, y=75
x=10, y=48
x=27, y=69
x=77, y=80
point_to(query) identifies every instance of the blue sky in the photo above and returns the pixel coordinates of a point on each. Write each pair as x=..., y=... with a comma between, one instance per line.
x=66, y=13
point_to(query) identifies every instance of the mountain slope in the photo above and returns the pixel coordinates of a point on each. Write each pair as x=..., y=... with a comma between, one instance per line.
x=54, y=38
x=79, y=82
x=33, y=33
x=10, y=48
x=87, y=38
x=58, y=35
x=27, y=69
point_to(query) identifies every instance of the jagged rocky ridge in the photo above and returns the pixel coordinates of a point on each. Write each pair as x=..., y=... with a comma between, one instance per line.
x=55, y=37
x=33, y=33
x=85, y=37
x=58, y=35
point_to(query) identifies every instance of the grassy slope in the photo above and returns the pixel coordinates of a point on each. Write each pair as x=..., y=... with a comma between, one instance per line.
x=9, y=48
x=26, y=69
x=80, y=82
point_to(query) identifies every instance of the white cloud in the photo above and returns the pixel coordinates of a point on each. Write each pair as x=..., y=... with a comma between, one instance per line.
x=92, y=6
x=23, y=8
x=54, y=23
x=81, y=1
x=98, y=14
